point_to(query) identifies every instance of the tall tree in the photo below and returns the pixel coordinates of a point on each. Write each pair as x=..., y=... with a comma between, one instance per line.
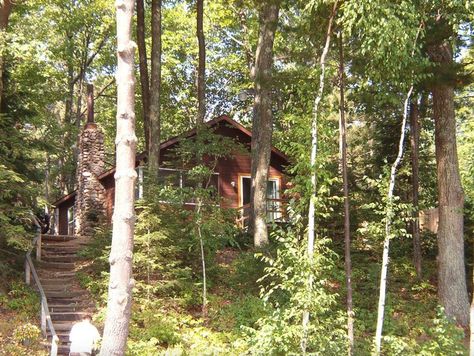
x=388, y=229
x=143, y=65
x=314, y=151
x=121, y=254
x=345, y=187
x=415, y=146
x=201, y=72
x=5, y=10
x=155, y=96
x=262, y=124
x=452, y=289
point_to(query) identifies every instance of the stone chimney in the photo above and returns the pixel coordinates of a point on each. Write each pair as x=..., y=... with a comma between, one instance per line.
x=89, y=206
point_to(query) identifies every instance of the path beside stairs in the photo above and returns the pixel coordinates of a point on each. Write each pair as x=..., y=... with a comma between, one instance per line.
x=57, y=271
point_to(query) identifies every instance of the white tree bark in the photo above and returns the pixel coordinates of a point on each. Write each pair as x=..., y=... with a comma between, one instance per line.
x=121, y=282
x=314, y=150
x=471, y=347
x=388, y=224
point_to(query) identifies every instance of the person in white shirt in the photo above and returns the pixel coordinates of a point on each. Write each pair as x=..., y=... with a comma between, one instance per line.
x=83, y=337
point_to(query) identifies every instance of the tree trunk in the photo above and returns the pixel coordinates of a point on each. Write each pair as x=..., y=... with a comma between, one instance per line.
x=415, y=147
x=452, y=289
x=471, y=339
x=314, y=150
x=5, y=10
x=201, y=73
x=388, y=229
x=121, y=254
x=144, y=82
x=345, y=187
x=155, y=95
x=262, y=121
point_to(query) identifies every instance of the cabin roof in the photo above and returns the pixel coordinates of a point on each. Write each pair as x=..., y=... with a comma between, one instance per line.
x=172, y=141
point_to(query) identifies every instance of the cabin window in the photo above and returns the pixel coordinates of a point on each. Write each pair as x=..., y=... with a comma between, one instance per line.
x=273, y=196
x=71, y=220
x=179, y=179
x=139, y=183
x=170, y=177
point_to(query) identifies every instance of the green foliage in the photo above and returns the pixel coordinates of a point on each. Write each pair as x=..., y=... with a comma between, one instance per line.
x=22, y=299
x=286, y=291
x=395, y=211
x=25, y=340
x=26, y=333
x=445, y=337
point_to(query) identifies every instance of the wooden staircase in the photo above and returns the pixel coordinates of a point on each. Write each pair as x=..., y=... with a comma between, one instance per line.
x=56, y=265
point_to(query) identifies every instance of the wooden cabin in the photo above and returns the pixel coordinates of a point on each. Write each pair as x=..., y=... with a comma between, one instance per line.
x=231, y=178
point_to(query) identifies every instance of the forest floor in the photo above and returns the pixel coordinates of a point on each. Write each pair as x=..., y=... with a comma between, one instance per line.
x=175, y=325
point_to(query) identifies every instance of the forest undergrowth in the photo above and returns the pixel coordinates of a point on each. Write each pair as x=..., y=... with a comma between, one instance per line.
x=246, y=313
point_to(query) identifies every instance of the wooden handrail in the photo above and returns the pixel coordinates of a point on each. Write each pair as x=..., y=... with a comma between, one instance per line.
x=46, y=322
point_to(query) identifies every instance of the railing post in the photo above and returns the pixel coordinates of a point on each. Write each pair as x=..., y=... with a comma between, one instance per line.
x=27, y=272
x=38, y=248
x=43, y=317
x=54, y=346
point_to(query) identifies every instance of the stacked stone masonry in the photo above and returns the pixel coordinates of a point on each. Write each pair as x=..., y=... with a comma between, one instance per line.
x=89, y=206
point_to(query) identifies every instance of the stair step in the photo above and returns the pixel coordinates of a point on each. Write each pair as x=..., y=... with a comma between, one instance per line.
x=59, y=258
x=57, y=238
x=63, y=326
x=57, y=265
x=53, y=294
x=45, y=282
x=56, y=288
x=63, y=308
x=67, y=316
x=51, y=274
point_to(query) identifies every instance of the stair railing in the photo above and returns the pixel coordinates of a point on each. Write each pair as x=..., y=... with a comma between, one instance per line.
x=30, y=270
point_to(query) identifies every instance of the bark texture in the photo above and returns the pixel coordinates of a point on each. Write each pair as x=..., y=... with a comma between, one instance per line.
x=143, y=65
x=415, y=147
x=121, y=254
x=345, y=187
x=155, y=92
x=5, y=10
x=201, y=73
x=452, y=289
x=262, y=121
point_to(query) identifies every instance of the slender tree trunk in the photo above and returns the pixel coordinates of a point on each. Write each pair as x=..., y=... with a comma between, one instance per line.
x=471, y=338
x=121, y=254
x=143, y=65
x=203, y=257
x=452, y=289
x=5, y=10
x=201, y=73
x=314, y=150
x=262, y=125
x=389, y=216
x=345, y=187
x=415, y=146
x=388, y=227
x=155, y=95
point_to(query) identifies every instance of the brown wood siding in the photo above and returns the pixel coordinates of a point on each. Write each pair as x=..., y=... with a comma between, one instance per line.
x=229, y=170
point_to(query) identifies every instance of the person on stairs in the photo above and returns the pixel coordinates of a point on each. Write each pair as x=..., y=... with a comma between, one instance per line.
x=84, y=337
